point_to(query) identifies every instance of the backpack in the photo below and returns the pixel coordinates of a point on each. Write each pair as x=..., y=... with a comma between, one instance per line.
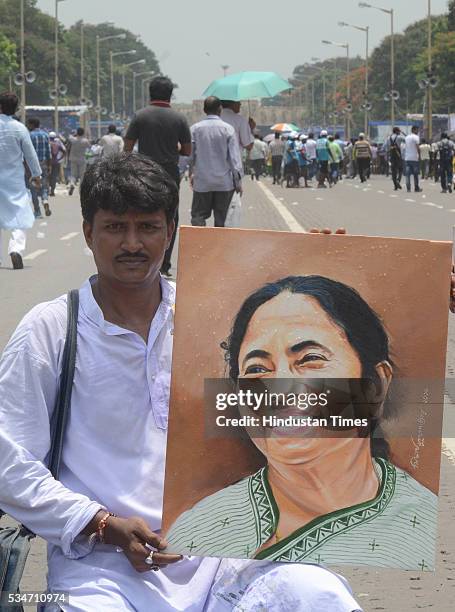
x=395, y=149
x=445, y=151
x=55, y=150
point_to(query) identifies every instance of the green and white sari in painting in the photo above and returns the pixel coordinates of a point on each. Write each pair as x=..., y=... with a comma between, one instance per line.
x=395, y=529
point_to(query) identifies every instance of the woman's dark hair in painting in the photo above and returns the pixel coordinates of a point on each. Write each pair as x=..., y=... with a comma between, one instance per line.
x=344, y=305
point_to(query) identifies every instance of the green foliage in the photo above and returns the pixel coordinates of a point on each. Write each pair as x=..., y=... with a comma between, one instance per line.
x=411, y=61
x=39, y=55
x=7, y=60
x=411, y=65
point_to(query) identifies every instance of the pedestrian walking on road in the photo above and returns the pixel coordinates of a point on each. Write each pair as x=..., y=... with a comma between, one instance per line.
x=215, y=166
x=412, y=158
x=324, y=157
x=58, y=153
x=363, y=155
x=394, y=148
x=244, y=135
x=162, y=135
x=79, y=145
x=336, y=153
x=15, y=146
x=41, y=142
x=258, y=155
x=111, y=142
x=311, y=155
x=276, y=149
x=446, y=149
x=425, y=149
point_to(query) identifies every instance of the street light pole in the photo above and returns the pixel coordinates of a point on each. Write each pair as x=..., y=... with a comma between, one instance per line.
x=392, y=54
x=392, y=68
x=324, y=96
x=137, y=74
x=348, y=89
x=98, y=84
x=348, y=82
x=23, y=112
x=112, y=55
x=124, y=69
x=98, y=90
x=430, y=69
x=56, y=80
x=365, y=29
x=82, y=60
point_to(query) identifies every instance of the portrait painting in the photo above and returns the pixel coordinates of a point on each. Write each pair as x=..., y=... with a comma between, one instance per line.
x=349, y=333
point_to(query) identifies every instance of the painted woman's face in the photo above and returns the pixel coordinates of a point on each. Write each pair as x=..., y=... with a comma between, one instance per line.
x=292, y=337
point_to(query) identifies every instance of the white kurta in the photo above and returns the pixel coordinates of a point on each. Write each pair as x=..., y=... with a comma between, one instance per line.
x=113, y=457
x=15, y=147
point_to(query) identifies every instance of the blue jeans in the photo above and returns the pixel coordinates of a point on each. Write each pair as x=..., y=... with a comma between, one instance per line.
x=313, y=168
x=412, y=167
x=44, y=191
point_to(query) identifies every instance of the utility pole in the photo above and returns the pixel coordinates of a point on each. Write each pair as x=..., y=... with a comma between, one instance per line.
x=430, y=70
x=23, y=112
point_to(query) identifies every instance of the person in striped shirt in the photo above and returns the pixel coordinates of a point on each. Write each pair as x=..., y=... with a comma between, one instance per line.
x=362, y=154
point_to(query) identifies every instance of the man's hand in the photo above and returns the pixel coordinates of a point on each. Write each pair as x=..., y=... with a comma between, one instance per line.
x=36, y=182
x=132, y=535
x=327, y=230
x=252, y=123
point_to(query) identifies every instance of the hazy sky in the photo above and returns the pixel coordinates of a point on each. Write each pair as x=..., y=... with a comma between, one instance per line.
x=245, y=34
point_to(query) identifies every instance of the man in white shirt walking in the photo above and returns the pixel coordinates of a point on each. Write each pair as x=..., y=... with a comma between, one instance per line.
x=311, y=154
x=412, y=158
x=276, y=149
x=15, y=147
x=243, y=132
x=111, y=142
x=215, y=166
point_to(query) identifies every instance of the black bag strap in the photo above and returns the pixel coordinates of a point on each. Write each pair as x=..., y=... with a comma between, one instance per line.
x=62, y=406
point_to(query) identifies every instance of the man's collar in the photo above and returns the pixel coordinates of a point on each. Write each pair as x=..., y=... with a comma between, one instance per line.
x=162, y=103
x=213, y=117
x=92, y=310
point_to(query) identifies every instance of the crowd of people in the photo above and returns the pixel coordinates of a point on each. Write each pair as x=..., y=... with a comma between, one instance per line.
x=294, y=159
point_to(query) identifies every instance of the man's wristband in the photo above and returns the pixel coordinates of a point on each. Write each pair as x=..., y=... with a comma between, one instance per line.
x=98, y=535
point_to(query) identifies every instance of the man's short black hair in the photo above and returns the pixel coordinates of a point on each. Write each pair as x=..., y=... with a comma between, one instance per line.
x=311, y=135
x=444, y=135
x=212, y=105
x=415, y=128
x=9, y=103
x=161, y=88
x=127, y=181
x=80, y=131
x=33, y=122
x=112, y=129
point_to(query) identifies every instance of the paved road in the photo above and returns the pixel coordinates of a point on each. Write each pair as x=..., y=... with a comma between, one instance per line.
x=58, y=260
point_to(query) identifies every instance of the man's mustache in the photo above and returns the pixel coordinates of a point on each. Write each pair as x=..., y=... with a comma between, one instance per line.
x=125, y=256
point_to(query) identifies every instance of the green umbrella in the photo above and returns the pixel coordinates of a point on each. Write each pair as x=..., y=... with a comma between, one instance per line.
x=247, y=85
